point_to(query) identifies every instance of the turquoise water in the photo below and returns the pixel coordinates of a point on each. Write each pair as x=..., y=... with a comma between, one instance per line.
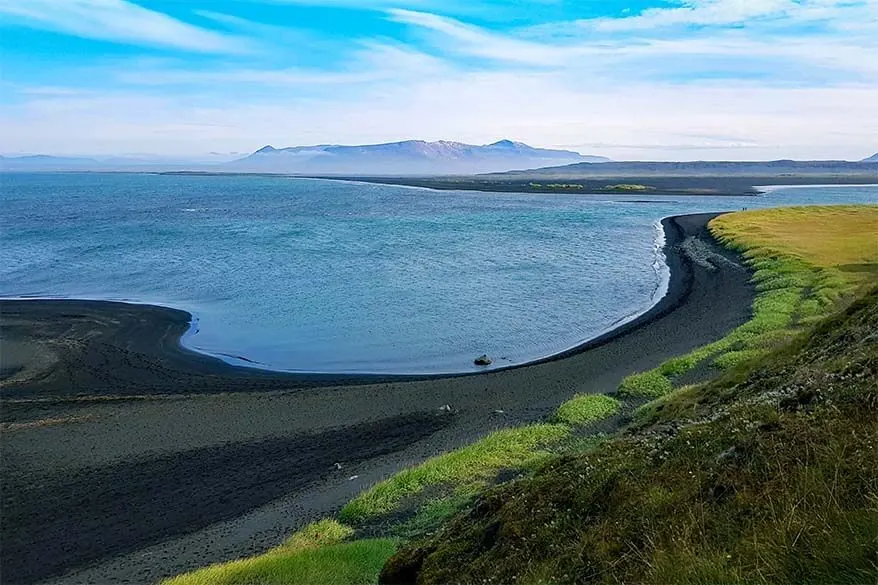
x=323, y=276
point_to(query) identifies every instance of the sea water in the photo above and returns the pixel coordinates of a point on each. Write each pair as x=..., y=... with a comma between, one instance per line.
x=326, y=276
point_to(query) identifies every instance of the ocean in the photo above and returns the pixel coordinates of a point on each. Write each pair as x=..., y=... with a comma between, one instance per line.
x=325, y=276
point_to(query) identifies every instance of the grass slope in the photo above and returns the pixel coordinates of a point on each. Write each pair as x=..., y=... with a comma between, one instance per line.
x=767, y=475
x=805, y=260
x=315, y=554
x=501, y=449
x=348, y=563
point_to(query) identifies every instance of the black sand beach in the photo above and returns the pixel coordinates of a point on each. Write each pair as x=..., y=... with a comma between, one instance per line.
x=126, y=458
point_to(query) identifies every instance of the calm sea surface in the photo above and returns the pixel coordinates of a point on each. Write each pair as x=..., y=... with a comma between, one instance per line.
x=324, y=276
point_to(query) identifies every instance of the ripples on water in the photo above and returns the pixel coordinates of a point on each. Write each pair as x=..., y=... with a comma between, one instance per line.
x=343, y=277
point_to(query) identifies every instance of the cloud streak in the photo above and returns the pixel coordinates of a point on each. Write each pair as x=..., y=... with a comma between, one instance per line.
x=118, y=21
x=771, y=78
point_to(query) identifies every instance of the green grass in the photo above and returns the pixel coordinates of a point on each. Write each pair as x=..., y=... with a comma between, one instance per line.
x=805, y=261
x=507, y=448
x=432, y=514
x=585, y=408
x=651, y=384
x=315, y=535
x=767, y=475
x=348, y=563
x=734, y=359
x=627, y=187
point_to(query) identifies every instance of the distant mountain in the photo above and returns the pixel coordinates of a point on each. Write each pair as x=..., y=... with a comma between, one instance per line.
x=777, y=168
x=410, y=157
x=871, y=159
x=133, y=163
x=43, y=162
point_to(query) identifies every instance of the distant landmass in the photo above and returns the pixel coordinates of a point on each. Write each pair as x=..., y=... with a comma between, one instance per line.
x=495, y=165
x=653, y=178
x=144, y=163
x=43, y=162
x=409, y=157
x=706, y=168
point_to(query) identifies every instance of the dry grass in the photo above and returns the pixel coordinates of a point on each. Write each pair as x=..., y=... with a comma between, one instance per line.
x=824, y=236
x=806, y=261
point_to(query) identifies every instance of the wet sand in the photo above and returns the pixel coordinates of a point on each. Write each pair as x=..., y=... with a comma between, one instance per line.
x=127, y=458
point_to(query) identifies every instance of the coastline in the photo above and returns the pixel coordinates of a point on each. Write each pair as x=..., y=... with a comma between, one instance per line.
x=149, y=332
x=661, y=185
x=222, y=461
x=121, y=306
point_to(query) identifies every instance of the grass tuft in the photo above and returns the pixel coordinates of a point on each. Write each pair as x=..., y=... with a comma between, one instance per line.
x=499, y=450
x=651, y=384
x=315, y=535
x=349, y=563
x=585, y=408
x=734, y=359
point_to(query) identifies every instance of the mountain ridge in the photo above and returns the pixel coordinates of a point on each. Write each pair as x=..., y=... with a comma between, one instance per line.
x=408, y=157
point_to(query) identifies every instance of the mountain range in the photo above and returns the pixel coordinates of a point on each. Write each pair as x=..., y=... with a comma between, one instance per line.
x=409, y=157
x=420, y=158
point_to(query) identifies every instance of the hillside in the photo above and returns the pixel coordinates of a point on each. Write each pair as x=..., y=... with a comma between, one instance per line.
x=701, y=168
x=871, y=159
x=767, y=475
x=410, y=157
x=650, y=178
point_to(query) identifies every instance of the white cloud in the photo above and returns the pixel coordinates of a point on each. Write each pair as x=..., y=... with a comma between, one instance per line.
x=636, y=121
x=595, y=45
x=623, y=93
x=374, y=62
x=478, y=42
x=735, y=12
x=119, y=21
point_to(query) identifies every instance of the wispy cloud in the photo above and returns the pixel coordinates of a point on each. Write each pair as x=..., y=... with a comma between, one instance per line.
x=633, y=121
x=373, y=62
x=479, y=42
x=118, y=21
x=692, y=78
x=738, y=12
x=778, y=33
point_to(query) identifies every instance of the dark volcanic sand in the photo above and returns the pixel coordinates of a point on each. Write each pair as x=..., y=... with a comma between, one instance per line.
x=127, y=459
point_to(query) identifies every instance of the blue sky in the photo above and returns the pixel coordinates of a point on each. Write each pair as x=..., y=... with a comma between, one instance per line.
x=645, y=79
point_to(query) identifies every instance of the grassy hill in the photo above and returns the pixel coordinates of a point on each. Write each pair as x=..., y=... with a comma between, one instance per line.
x=767, y=474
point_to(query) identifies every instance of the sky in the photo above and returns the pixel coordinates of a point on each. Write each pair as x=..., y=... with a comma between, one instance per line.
x=632, y=80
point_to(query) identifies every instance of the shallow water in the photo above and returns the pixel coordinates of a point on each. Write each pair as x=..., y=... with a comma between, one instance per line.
x=325, y=276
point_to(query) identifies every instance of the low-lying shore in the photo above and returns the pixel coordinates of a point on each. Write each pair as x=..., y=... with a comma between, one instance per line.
x=128, y=458
x=639, y=187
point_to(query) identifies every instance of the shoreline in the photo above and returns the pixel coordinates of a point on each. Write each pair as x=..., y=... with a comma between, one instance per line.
x=659, y=266
x=238, y=459
x=163, y=338
x=659, y=185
